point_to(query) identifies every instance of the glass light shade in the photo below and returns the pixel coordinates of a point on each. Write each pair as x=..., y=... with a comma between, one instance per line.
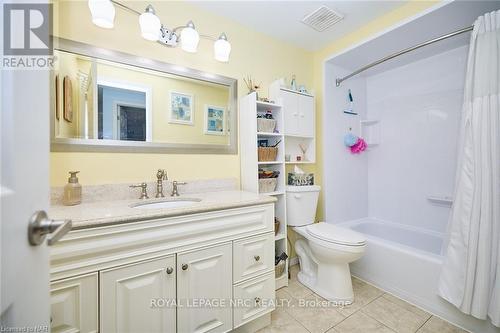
x=150, y=26
x=222, y=49
x=103, y=13
x=189, y=39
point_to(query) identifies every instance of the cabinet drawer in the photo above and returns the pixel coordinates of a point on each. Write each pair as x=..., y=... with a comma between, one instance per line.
x=252, y=256
x=253, y=298
x=73, y=304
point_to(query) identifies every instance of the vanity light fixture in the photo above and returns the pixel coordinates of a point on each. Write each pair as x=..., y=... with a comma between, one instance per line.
x=189, y=38
x=222, y=48
x=103, y=14
x=150, y=24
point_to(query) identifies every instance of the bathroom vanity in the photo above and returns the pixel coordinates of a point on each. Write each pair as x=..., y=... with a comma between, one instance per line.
x=204, y=267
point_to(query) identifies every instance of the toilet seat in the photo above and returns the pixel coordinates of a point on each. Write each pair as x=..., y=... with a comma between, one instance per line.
x=336, y=235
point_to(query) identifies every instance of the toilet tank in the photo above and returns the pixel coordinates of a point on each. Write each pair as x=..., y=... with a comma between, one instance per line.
x=301, y=203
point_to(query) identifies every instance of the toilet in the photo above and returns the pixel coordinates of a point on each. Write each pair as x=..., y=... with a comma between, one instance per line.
x=324, y=250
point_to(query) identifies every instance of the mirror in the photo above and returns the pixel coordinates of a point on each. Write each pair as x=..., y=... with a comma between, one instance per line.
x=111, y=101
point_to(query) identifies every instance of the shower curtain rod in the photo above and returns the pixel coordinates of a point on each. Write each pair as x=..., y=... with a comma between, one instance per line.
x=338, y=81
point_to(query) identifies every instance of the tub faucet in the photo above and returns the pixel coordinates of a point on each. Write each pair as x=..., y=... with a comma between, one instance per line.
x=161, y=175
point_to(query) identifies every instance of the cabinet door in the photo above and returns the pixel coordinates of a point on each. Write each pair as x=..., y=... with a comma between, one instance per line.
x=139, y=297
x=73, y=304
x=253, y=256
x=290, y=112
x=254, y=298
x=306, y=116
x=205, y=275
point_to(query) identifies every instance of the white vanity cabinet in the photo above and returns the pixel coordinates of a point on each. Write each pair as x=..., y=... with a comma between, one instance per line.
x=177, y=274
x=298, y=114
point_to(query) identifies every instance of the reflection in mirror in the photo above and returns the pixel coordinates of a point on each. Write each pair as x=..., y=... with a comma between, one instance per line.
x=98, y=100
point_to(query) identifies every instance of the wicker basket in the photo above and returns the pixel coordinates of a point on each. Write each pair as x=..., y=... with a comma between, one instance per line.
x=267, y=154
x=266, y=125
x=267, y=185
x=279, y=269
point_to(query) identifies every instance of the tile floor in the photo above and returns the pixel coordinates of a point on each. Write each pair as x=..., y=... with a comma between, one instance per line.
x=373, y=311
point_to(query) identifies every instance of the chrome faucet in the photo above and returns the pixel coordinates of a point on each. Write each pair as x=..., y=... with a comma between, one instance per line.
x=144, y=190
x=161, y=175
x=175, y=192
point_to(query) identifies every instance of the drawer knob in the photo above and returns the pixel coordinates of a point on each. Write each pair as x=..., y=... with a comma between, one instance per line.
x=257, y=300
x=184, y=267
x=170, y=270
x=257, y=258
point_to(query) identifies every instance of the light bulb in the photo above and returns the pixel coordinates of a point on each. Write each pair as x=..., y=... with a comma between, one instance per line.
x=189, y=38
x=150, y=24
x=103, y=13
x=222, y=48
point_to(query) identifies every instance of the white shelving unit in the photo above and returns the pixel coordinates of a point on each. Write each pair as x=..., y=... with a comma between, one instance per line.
x=289, y=145
x=249, y=108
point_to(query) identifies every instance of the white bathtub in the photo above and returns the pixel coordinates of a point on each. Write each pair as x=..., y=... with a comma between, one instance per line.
x=406, y=262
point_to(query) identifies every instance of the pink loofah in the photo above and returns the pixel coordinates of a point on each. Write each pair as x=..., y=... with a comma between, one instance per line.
x=359, y=146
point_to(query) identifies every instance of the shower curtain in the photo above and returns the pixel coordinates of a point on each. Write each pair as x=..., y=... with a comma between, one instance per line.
x=470, y=278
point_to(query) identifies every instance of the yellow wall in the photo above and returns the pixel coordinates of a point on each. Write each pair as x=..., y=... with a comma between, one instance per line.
x=253, y=53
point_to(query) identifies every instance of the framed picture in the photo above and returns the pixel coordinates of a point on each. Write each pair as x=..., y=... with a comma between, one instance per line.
x=56, y=97
x=181, y=108
x=67, y=99
x=215, y=120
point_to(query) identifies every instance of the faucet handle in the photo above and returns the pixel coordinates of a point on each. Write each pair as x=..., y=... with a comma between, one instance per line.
x=161, y=174
x=175, y=192
x=144, y=190
x=141, y=185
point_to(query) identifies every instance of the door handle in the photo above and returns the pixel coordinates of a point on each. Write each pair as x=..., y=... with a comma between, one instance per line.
x=40, y=225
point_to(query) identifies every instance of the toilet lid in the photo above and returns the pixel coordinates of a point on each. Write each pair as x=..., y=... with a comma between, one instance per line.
x=338, y=235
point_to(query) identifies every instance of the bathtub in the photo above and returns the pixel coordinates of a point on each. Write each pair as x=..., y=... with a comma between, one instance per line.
x=406, y=262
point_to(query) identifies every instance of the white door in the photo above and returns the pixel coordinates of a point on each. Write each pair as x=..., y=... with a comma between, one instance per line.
x=139, y=297
x=205, y=275
x=24, y=189
x=306, y=116
x=291, y=112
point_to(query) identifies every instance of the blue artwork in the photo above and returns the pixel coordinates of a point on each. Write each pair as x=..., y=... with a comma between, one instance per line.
x=214, y=120
x=181, y=108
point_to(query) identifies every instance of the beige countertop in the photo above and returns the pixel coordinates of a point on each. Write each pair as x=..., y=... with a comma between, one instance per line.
x=95, y=214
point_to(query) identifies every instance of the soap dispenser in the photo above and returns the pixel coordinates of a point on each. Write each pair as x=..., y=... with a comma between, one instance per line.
x=72, y=190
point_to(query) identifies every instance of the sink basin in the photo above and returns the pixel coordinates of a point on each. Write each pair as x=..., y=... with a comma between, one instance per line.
x=172, y=203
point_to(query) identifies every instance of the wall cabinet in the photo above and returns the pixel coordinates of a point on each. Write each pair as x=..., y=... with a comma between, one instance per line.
x=298, y=114
x=167, y=275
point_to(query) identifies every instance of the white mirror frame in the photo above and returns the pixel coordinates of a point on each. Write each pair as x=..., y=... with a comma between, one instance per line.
x=116, y=146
